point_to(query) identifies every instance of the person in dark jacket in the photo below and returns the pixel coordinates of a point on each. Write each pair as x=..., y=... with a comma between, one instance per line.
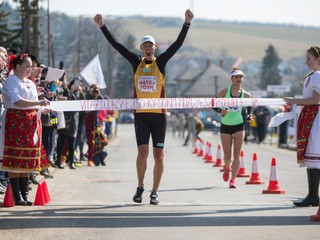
x=91, y=122
x=80, y=139
x=262, y=115
x=67, y=135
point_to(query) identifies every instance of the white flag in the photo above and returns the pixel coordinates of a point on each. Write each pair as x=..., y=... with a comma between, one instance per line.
x=92, y=73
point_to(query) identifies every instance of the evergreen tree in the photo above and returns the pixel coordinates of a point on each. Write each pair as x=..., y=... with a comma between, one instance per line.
x=8, y=37
x=270, y=73
x=4, y=31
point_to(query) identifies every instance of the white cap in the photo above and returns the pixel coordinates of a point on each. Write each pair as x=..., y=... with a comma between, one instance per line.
x=237, y=72
x=148, y=39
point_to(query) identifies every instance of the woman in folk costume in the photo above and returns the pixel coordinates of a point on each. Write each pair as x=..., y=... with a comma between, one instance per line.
x=21, y=149
x=308, y=128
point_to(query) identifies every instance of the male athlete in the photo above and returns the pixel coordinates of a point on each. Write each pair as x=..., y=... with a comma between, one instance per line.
x=149, y=80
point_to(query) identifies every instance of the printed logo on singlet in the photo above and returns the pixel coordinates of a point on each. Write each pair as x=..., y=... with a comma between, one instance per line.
x=147, y=70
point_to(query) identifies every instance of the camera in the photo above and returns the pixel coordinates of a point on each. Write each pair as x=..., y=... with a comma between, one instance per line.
x=96, y=91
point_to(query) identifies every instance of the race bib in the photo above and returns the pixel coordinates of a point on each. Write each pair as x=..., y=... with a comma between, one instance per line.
x=147, y=84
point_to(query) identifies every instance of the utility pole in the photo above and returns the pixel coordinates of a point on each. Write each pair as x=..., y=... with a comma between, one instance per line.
x=52, y=51
x=79, y=48
x=49, y=33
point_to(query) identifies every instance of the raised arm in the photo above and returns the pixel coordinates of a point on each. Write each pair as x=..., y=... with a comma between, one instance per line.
x=98, y=20
x=188, y=16
x=130, y=56
x=174, y=47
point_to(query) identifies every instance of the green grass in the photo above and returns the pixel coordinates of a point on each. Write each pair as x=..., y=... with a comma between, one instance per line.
x=247, y=40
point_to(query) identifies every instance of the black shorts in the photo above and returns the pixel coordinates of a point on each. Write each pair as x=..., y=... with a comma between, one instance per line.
x=226, y=129
x=150, y=123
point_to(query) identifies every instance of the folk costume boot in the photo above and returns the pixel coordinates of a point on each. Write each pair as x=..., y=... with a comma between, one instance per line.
x=313, y=195
x=15, y=186
x=24, y=187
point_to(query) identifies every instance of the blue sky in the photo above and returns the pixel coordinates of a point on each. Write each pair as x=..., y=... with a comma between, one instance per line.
x=306, y=12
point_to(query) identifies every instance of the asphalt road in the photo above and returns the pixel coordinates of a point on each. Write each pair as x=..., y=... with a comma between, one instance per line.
x=195, y=202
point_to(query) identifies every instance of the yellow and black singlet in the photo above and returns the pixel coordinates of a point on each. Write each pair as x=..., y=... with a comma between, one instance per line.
x=149, y=83
x=149, y=77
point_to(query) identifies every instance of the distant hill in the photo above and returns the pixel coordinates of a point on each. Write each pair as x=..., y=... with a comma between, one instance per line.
x=220, y=42
x=210, y=38
x=248, y=40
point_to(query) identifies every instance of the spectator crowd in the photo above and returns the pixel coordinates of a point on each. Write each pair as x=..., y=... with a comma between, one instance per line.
x=64, y=134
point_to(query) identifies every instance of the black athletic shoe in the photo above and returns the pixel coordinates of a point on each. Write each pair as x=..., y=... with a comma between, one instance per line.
x=154, y=198
x=138, y=196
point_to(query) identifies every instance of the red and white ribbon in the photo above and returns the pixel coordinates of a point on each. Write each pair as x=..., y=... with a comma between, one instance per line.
x=161, y=103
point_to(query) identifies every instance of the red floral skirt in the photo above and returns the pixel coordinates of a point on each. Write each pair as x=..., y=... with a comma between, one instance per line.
x=21, y=153
x=305, y=121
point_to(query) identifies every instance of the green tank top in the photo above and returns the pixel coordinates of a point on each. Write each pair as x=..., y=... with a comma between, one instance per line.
x=234, y=116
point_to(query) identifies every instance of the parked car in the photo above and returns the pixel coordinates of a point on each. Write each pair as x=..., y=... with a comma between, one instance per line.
x=210, y=119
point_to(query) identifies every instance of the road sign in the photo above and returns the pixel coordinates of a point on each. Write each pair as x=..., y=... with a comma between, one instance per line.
x=278, y=89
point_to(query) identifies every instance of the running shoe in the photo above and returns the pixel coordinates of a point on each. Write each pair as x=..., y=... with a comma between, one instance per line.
x=154, y=198
x=90, y=163
x=226, y=174
x=78, y=164
x=138, y=195
x=232, y=183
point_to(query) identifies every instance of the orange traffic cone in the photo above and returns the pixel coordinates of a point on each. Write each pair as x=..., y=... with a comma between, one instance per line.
x=8, y=198
x=242, y=171
x=206, y=151
x=219, y=162
x=39, y=199
x=209, y=157
x=255, y=176
x=201, y=147
x=45, y=192
x=195, y=146
x=316, y=218
x=273, y=183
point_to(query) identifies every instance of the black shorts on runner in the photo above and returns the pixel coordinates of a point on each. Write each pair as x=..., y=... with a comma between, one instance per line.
x=226, y=129
x=150, y=123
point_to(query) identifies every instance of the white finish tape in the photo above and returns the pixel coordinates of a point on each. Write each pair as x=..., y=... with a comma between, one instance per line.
x=161, y=103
